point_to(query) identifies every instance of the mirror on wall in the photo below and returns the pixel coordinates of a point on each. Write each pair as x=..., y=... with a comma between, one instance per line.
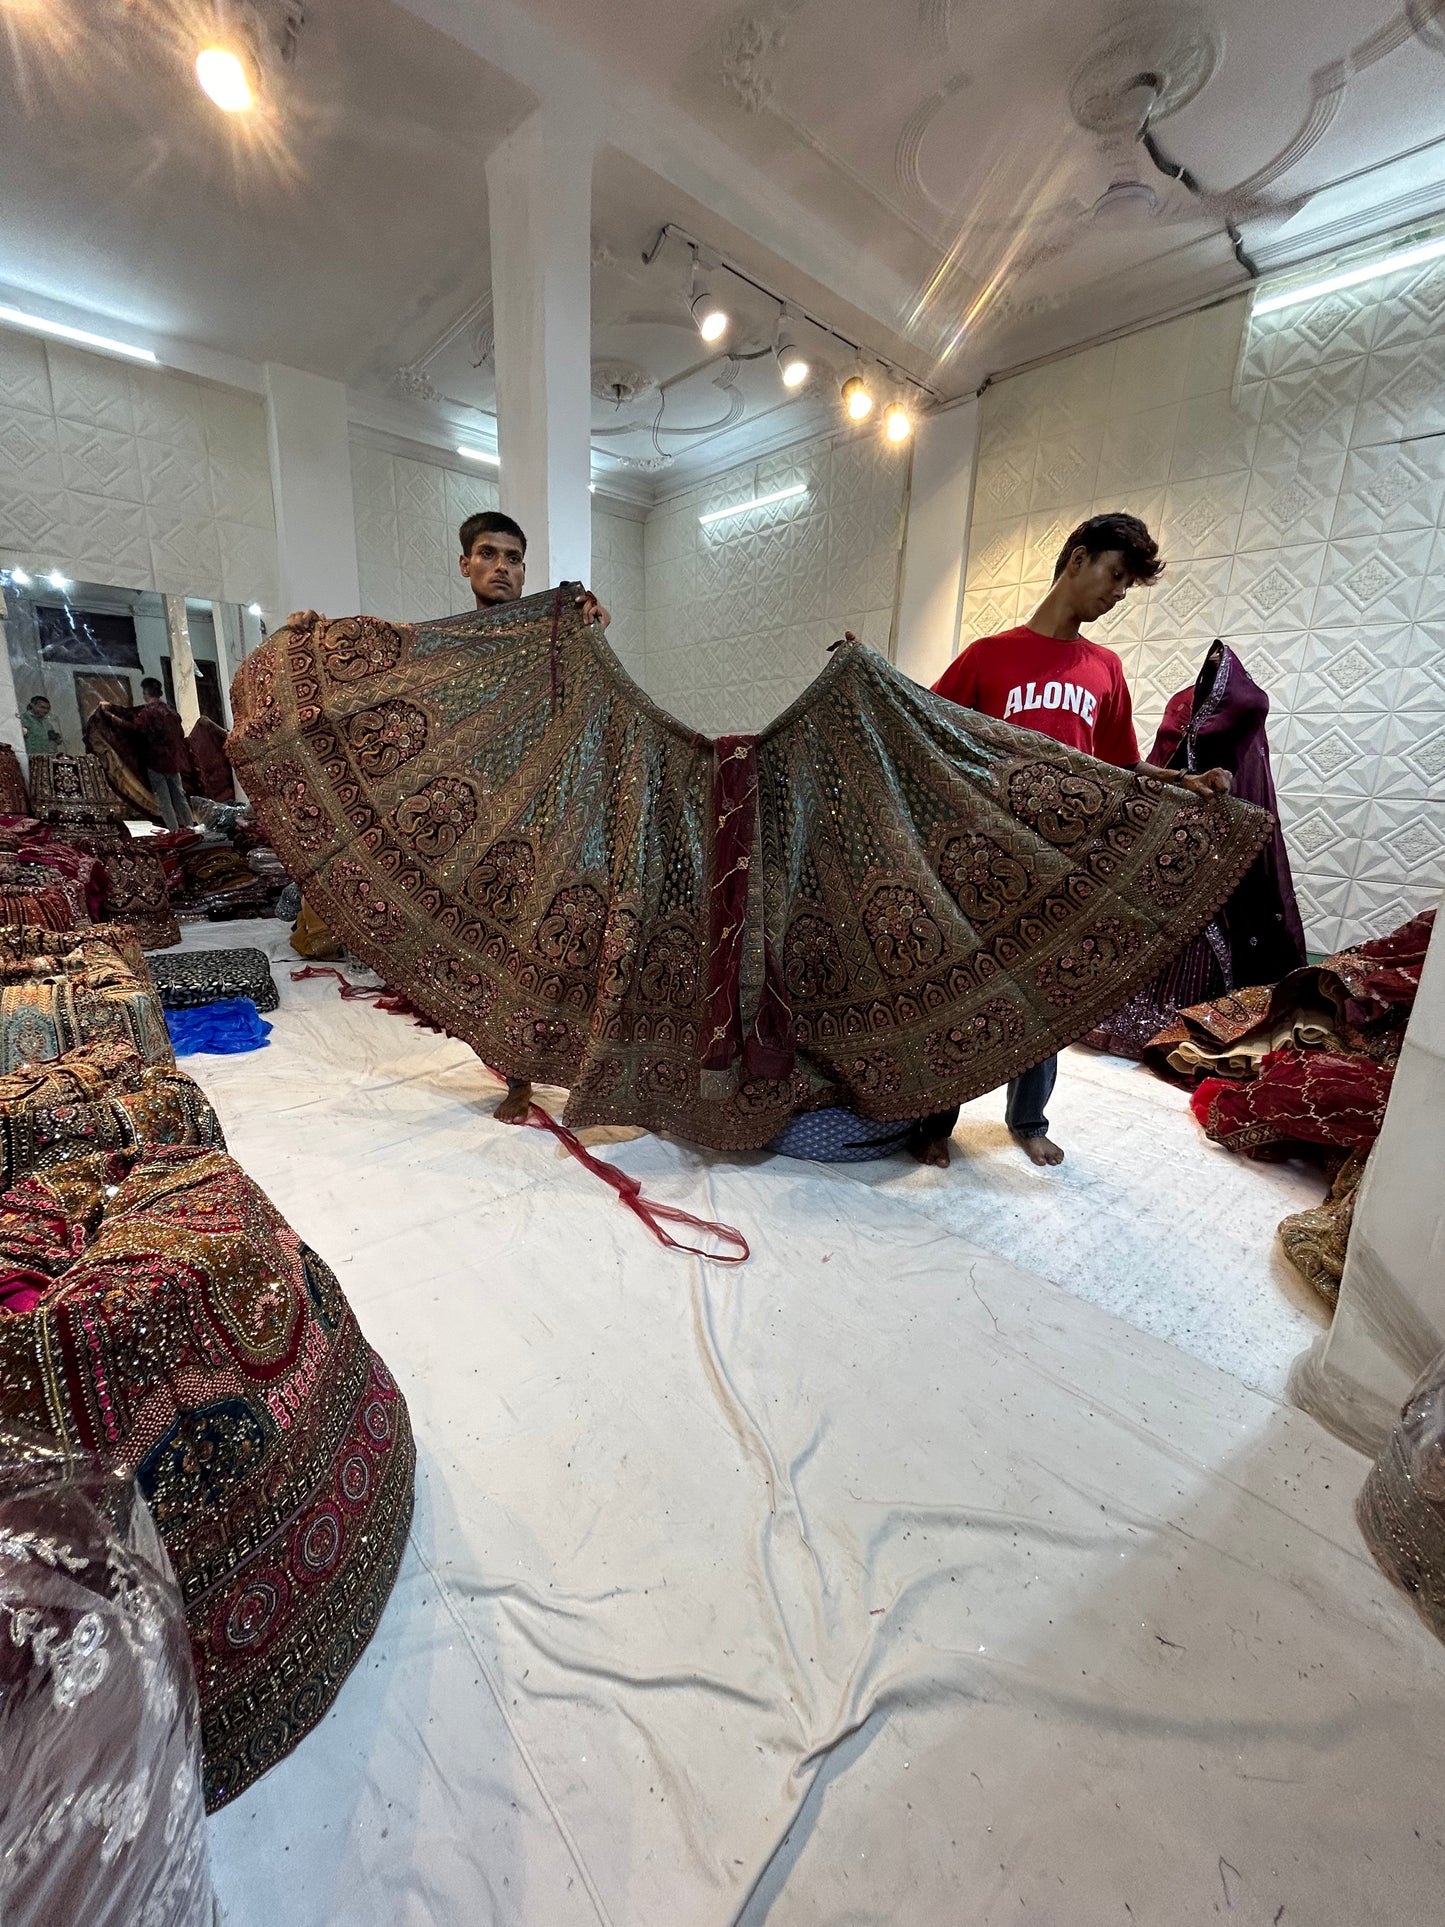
x=74, y=646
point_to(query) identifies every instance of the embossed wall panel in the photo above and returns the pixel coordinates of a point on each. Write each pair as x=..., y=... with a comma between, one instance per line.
x=1294, y=469
x=740, y=613
x=136, y=476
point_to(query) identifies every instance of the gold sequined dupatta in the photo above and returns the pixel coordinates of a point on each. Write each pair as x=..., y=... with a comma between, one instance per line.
x=882, y=900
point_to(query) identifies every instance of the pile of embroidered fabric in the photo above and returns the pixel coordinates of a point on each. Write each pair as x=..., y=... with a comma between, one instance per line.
x=1304, y=1068
x=156, y=1312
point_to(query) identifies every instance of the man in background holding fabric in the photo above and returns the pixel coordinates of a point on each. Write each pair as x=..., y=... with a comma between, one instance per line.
x=162, y=738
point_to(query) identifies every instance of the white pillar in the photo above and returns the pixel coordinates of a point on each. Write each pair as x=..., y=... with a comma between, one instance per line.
x=183, y=663
x=539, y=198
x=1389, y=1325
x=11, y=730
x=935, y=552
x=230, y=647
x=306, y=426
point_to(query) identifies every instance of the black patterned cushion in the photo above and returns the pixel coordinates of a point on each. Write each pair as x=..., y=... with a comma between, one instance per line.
x=207, y=976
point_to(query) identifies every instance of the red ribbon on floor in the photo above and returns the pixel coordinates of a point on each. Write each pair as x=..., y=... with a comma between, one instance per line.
x=628, y=1188
x=388, y=1000
x=629, y=1191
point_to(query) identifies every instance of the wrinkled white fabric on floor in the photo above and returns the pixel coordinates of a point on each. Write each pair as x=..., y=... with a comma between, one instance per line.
x=1145, y=1216
x=875, y=1580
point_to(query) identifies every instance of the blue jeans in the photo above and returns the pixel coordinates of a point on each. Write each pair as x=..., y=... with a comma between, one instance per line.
x=1027, y=1096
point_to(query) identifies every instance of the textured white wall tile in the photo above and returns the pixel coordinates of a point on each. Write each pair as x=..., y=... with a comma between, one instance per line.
x=1301, y=523
x=120, y=475
x=24, y=377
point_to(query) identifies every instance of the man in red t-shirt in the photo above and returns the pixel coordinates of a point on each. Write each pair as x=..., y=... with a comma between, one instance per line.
x=1046, y=676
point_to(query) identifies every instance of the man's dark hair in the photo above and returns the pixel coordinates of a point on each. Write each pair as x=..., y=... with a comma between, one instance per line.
x=1117, y=531
x=150, y=686
x=489, y=522
x=41, y=698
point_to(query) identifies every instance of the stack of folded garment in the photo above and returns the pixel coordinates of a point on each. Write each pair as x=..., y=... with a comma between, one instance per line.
x=31, y=894
x=1304, y=1068
x=178, y=1327
x=81, y=875
x=217, y=882
x=101, y=1097
x=73, y=796
x=187, y=979
x=61, y=989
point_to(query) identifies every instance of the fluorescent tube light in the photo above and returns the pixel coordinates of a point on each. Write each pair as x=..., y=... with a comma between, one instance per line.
x=758, y=502
x=1412, y=257
x=481, y=455
x=17, y=318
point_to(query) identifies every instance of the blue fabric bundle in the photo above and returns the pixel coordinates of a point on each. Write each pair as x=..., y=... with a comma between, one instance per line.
x=838, y=1136
x=224, y=1029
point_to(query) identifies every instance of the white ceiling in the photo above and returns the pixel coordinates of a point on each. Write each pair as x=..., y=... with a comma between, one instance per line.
x=913, y=172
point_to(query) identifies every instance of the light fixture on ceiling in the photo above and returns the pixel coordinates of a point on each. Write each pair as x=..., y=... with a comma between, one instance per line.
x=228, y=77
x=58, y=581
x=897, y=422
x=481, y=455
x=37, y=324
x=757, y=502
x=1416, y=255
x=19, y=578
x=707, y=311
x=792, y=364
x=253, y=608
x=857, y=398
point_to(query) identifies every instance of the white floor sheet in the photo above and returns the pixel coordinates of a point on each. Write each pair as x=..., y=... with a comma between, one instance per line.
x=874, y=1581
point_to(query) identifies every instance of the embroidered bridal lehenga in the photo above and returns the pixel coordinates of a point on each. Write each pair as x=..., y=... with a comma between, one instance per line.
x=882, y=901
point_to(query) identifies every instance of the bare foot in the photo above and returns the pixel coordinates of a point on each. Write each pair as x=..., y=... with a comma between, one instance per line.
x=1040, y=1150
x=515, y=1105
x=934, y=1151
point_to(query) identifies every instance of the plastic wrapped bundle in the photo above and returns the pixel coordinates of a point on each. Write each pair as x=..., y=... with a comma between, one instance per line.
x=101, y=1817
x=1402, y=1508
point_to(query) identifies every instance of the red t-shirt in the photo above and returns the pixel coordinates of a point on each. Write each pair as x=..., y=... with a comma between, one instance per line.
x=1072, y=691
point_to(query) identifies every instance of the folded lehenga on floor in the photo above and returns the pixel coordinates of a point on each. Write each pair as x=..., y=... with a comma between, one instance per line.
x=883, y=901
x=174, y=1324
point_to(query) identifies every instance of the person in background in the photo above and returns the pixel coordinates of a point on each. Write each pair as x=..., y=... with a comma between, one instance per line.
x=207, y=747
x=161, y=735
x=1046, y=675
x=494, y=561
x=42, y=738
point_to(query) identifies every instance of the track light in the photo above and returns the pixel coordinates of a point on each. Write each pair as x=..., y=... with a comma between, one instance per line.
x=226, y=77
x=792, y=365
x=897, y=422
x=857, y=398
x=707, y=311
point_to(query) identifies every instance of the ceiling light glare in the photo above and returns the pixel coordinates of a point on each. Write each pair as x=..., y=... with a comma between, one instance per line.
x=481, y=455
x=223, y=76
x=253, y=608
x=710, y=316
x=857, y=399
x=757, y=502
x=707, y=311
x=898, y=423
x=1411, y=257
x=792, y=365
x=20, y=578
x=57, y=580
x=37, y=324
